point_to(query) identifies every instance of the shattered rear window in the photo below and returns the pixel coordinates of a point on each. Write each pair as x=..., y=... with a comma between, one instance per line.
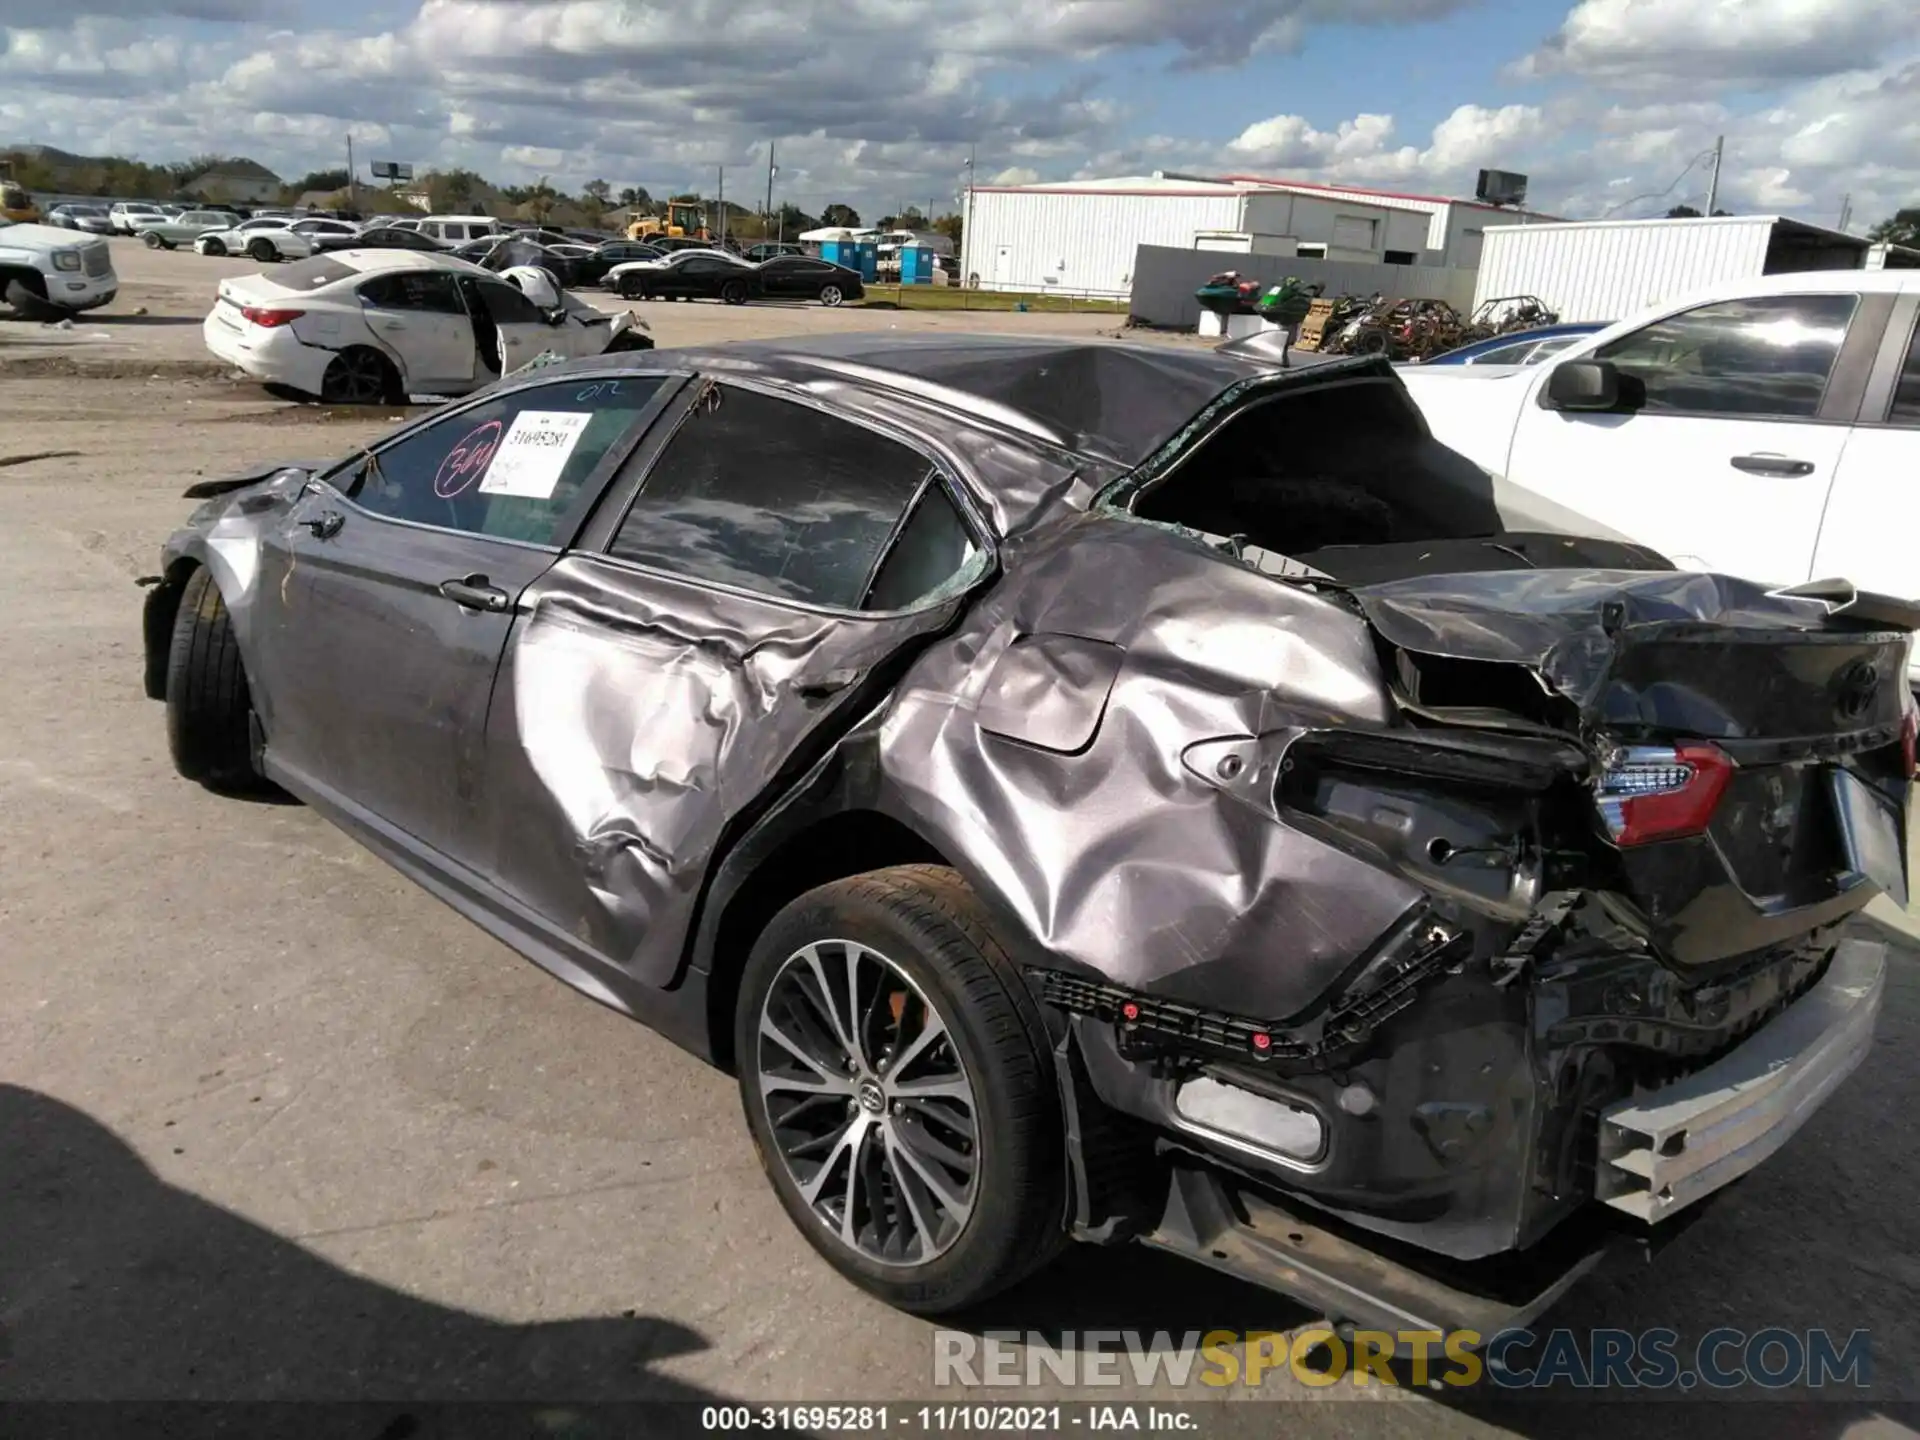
x=312, y=274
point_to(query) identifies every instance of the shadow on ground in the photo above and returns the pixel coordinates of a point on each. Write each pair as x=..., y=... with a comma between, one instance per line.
x=116, y=1286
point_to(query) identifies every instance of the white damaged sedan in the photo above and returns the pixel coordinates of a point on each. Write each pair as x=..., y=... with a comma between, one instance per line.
x=377, y=326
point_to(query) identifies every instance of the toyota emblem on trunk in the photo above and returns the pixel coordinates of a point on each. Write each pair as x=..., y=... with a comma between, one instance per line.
x=1855, y=688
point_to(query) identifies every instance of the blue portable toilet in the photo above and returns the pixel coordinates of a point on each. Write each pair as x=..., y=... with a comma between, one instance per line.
x=916, y=265
x=864, y=256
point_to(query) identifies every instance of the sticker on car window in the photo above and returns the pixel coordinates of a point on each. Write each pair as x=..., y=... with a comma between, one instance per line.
x=534, y=453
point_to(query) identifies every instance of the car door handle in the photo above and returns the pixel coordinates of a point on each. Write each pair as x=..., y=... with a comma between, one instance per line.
x=1771, y=465
x=326, y=524
x=474, y=593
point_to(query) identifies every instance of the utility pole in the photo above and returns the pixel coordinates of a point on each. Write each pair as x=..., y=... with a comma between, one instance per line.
x=1713, y=185
x=723, y=204
x=767, y=214
x=353, y=202
x=966, y=220
x=1846, y=211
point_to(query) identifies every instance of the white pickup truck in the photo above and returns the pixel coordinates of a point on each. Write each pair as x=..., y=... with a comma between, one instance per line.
x=1768, y=428
x=47, y=273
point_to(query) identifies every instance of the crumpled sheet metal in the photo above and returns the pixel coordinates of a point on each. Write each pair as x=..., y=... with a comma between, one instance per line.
x=634, y=773
x=1563, y=623
x=1118, y=857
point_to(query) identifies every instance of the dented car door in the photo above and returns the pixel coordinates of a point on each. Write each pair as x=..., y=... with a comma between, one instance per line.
x=407, y=567
x=759, y=573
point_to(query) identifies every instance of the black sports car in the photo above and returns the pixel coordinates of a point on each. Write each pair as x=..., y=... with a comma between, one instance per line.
x=804, y=277
x=1093, y=790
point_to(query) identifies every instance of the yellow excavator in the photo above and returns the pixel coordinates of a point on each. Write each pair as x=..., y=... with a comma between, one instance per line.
x=681, y=221
x=15, y=203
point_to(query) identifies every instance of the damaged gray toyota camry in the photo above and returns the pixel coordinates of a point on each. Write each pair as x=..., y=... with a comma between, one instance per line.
x=1092, y=791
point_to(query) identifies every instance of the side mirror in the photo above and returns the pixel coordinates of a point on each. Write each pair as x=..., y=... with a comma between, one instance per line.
x=1582, y=385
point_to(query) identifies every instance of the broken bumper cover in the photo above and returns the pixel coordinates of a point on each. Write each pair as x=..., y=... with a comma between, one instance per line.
x=1666, y=1149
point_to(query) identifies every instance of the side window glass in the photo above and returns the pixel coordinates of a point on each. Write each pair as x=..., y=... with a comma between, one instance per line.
x=1906, y=395
x=775, y=497
x=427, y=291
x=934, y=547
x=1767, y=356
x=511, y=468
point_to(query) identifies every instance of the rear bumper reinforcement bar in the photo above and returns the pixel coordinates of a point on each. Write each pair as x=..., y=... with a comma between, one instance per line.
x=1665, y=1149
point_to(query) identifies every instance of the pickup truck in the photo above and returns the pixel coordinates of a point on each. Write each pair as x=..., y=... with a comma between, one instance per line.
x=47, y=273
x=1767, y=428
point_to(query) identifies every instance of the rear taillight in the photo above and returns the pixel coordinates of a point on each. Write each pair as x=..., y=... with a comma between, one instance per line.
x=269, y=319
x=1656, y=792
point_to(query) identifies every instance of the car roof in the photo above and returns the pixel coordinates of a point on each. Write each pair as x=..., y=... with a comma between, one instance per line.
x=1109, y=400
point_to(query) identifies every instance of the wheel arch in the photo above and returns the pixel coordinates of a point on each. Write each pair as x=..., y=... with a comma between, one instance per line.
x=775, y=865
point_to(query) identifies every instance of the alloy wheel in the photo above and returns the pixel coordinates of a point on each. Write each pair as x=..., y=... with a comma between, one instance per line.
x=830, y=295
x=869, y=1103
x=356, y=377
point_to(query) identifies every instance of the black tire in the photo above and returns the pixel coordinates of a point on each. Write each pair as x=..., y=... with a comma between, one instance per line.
x=28, y=297
x=213, y=247
x=831, y=295
x=630, y=289
x=359, y=376
x=262, y=250
x=154, y=242
x=209, y=711
x=734, y=292
x=928, y=923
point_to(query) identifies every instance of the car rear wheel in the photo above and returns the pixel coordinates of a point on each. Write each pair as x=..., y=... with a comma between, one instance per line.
x=209, y=710
x=899, y=1089
x=153, y=240
x=359, y=376
x=831, y=295
x=734, y=292
x=261, y=250
x=212, y=247
x=631, y=289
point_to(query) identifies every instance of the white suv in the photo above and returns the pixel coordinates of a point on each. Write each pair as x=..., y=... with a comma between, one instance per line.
x=47, y=273
x=1768, y=428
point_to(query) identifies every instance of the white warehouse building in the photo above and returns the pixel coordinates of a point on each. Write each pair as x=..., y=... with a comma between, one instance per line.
x=1080, y=236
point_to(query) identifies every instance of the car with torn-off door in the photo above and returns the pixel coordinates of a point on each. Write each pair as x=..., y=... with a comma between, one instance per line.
x=361, y=327
x=1090, y=790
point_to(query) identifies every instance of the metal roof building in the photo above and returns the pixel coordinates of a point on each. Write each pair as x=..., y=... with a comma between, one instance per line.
x=1080, y=236
x=1610, y=269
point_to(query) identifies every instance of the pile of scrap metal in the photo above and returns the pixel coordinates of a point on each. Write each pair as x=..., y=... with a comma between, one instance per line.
x=1290, y=302
x=1398, y=329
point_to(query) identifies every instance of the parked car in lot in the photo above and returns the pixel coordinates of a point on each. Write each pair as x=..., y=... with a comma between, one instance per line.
x=183, y=229
x=684, y=275
x=592, y=269
x=128, y=217
x=375, y=326
x=1385, y=893
x=802, y=277
x=1521, y=347
x=91, y=218
x=394, y=237
x=1764, y=428
x=768, y=249
x=47, y=273
x=267, y=238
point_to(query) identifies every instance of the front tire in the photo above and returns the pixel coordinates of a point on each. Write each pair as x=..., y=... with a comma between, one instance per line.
x=28, y=298
x=734, y=292
x=262, y=251
x=831, y=295
x=209, y=710
x=212, y=247
x=153, y=240
x=899, y=1089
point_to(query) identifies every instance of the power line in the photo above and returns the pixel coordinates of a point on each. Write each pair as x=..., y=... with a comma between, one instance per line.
x=1703, y=156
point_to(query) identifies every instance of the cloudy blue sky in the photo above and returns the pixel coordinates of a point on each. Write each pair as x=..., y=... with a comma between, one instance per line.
x=877, y=101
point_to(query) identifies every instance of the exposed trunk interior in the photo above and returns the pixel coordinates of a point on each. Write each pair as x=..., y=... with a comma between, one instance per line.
x=1344, y=479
